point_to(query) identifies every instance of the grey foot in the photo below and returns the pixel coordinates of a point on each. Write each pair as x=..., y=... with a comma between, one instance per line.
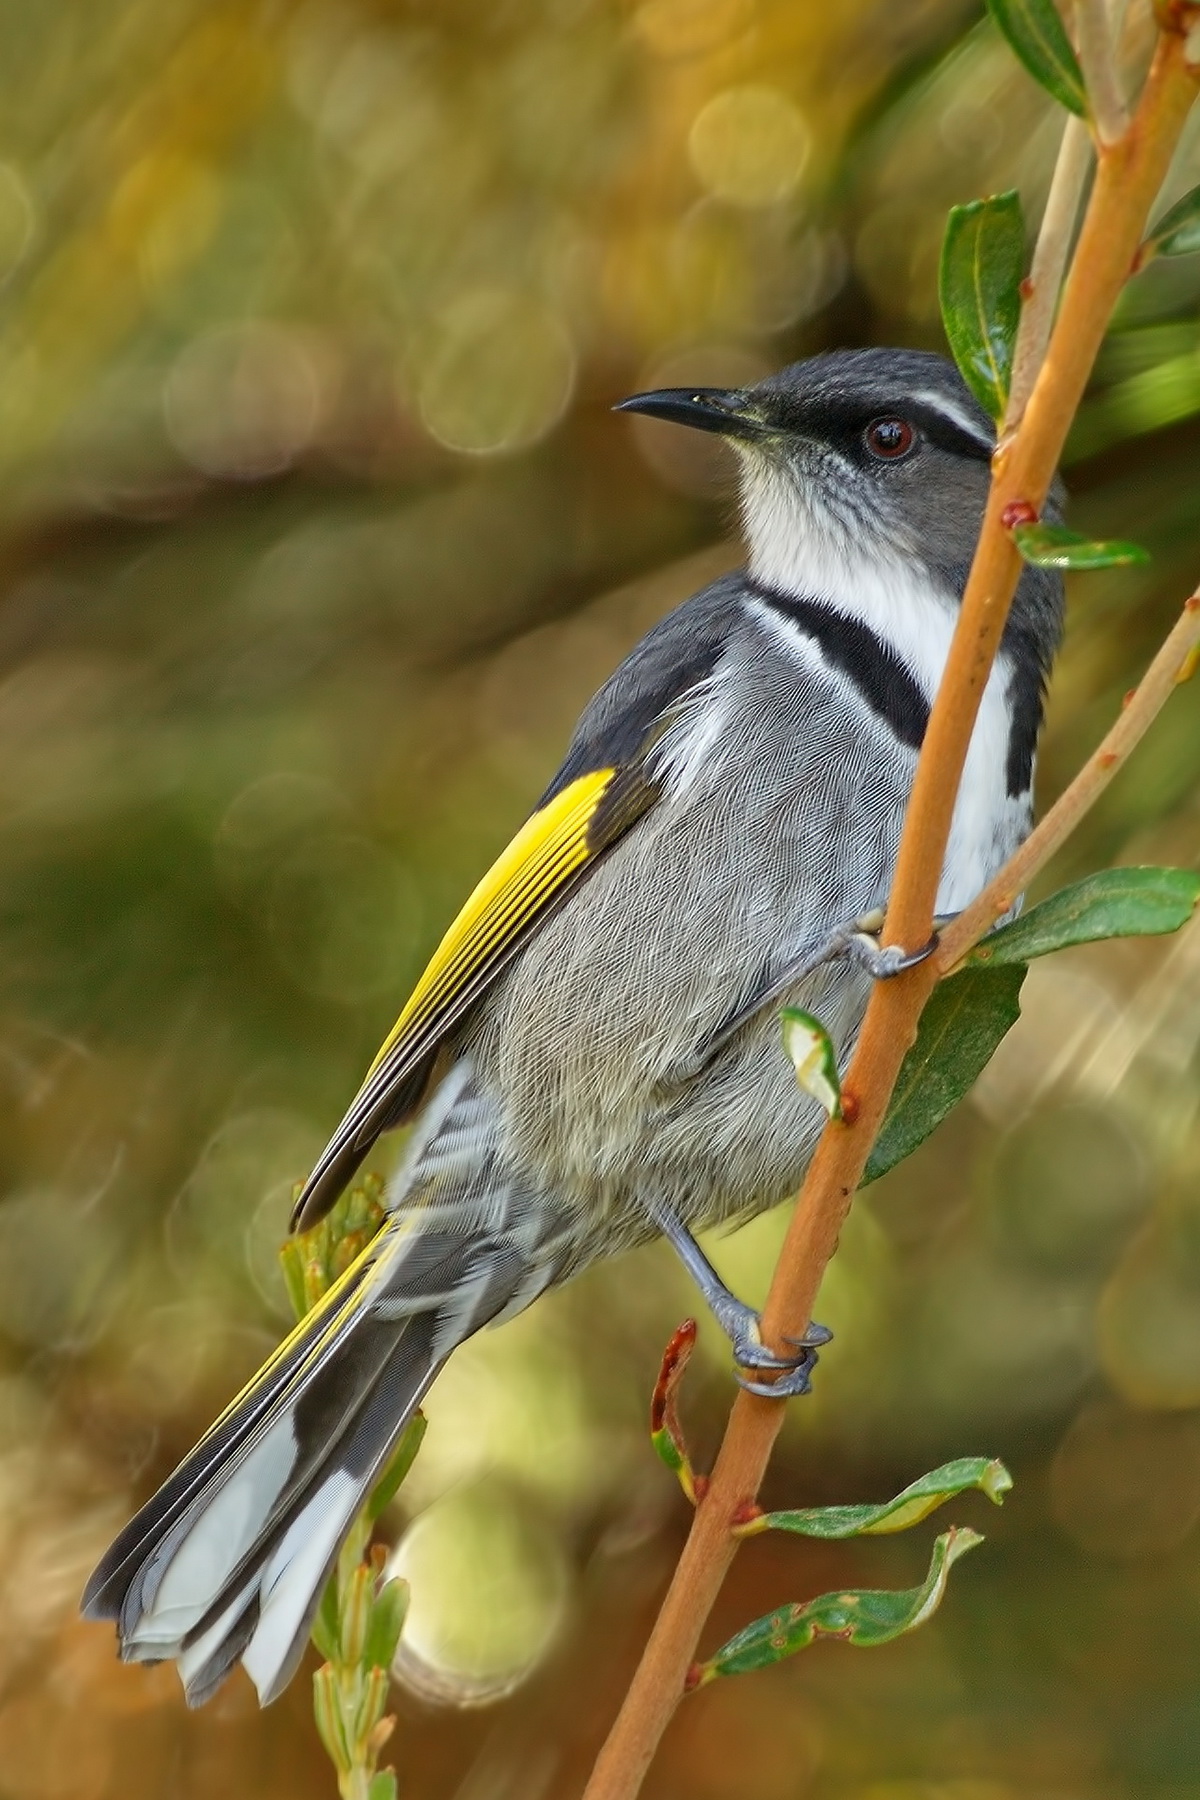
x=742, y=1327
x=740, y=1322
x=792, y=1374
x=793, y=1382
x=858, y=943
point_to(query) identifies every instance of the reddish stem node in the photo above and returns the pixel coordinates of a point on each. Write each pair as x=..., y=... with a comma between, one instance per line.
x=745, y=1513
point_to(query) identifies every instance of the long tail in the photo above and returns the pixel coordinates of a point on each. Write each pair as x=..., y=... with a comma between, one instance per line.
x=230, y=1557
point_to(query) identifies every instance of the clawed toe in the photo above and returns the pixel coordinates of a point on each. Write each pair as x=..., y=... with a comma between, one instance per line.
x=749, y=1353
x=797, y=1380
x=792, y=1374
x=815, y=1338
x=884, y=963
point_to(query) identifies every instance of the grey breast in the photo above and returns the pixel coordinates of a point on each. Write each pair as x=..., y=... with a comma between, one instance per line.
x=780, y=819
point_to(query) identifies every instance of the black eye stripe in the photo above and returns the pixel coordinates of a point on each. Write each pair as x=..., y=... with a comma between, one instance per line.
x=947, y=433
x=842, y=420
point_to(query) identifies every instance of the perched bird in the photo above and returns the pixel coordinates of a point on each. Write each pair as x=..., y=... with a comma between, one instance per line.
x=594, y=1056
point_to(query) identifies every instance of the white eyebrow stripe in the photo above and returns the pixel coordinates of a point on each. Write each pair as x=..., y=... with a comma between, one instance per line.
x=938, y=403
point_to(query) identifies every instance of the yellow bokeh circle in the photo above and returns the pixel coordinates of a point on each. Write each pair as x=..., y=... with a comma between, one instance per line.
x=497, y=372
x=749, y=145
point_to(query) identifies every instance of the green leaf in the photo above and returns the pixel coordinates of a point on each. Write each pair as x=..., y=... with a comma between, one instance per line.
x=354, y=1612
x=327, y=1711
x=386, y=1623
x=372, y=1700
x=291, y=1261
x=383, y=1785
x=1054, y=547
x=909, y=1507
x=979, y=284
x=966, y=1018
x=352, y=1552
x=813, y=1057
x=864, y=1617
x=1177, y=233
x=324, y=1632
x=1129, y=902
x=1037, y=38
x=403, y=1457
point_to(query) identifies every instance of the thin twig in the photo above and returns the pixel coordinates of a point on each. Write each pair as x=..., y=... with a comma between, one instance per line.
x=1046, y=270
x=1053, y=246
x=1128, y=179
x=1171, y=665
x=1094, y=37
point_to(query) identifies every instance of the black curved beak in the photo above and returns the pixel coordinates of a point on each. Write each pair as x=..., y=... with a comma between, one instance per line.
x=722, y=410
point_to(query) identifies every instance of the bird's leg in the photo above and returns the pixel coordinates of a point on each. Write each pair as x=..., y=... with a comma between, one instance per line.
x=740, y=1322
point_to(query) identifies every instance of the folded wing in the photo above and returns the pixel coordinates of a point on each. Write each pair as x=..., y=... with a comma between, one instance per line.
x=554, y=850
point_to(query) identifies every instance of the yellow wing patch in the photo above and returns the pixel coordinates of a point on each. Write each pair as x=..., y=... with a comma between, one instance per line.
x=551, y=849
x=548, y=848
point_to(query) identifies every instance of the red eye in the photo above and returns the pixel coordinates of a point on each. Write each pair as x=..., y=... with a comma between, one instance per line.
x=889, y=438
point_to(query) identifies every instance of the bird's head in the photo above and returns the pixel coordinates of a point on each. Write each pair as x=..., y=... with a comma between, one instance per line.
x=852, y=462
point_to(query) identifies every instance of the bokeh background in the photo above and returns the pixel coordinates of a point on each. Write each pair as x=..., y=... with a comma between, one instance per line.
x=315, y=532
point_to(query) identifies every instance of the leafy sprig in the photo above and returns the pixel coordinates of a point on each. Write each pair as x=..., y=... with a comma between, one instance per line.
x=361, y=1616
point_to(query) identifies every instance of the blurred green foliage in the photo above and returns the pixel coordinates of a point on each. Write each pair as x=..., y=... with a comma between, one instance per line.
x=316, y=533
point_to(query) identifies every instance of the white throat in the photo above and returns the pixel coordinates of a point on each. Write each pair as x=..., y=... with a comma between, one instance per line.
x=793, y=550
